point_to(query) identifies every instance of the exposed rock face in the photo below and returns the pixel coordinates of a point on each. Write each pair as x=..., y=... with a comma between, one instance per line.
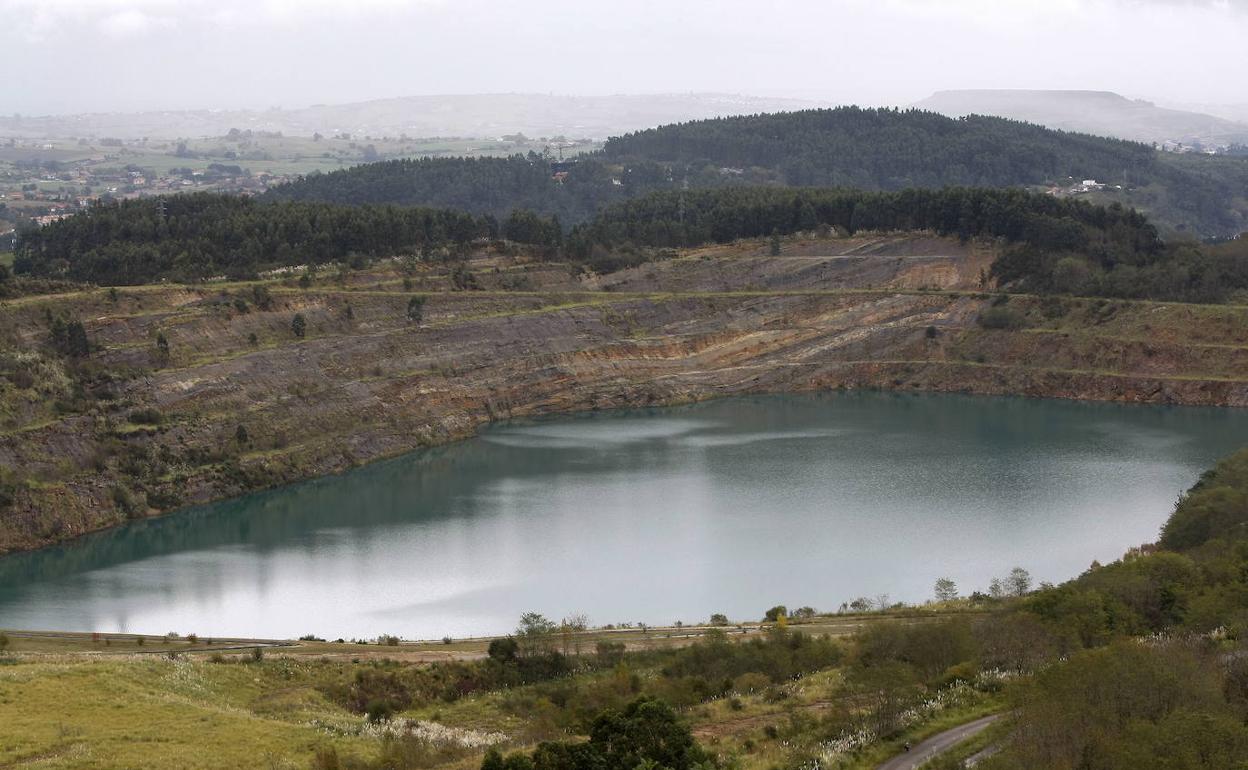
x=368, y=381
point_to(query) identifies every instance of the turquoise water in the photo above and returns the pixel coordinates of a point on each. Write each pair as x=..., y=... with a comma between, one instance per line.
x=647, y=516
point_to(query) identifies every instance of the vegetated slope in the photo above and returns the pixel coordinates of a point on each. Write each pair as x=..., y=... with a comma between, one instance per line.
x=1095, y=112
x=871, y=149
x=192, y=237
x=1176, y=698
x=1057, y=245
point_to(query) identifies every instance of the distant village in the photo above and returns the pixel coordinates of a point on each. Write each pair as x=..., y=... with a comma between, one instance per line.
x=54, y=189
x=44, y=180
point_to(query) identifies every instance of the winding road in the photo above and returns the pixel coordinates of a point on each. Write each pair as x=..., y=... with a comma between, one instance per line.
x=938, y=744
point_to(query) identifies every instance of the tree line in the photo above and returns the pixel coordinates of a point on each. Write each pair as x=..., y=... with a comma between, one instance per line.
x=191, y=237
x=1052, y=245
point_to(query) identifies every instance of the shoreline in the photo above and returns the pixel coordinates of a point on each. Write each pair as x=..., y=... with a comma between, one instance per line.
x=582, y=411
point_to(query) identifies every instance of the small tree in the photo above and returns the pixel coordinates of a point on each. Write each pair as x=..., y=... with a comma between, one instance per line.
x=299, y=325
x=416, y=309
x=503, y=650
x=996, y=589
x=774, y=614
x=1019, y=581
x=76, y=342
x=719, y=619
x=261, y=297
x=774, y=245
x=162, y=348
x=4, y=642
x=946, y=590
x=240, y=435
x=534, y=634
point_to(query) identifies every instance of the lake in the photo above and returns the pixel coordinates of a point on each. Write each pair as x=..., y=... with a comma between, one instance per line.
x=650, y=516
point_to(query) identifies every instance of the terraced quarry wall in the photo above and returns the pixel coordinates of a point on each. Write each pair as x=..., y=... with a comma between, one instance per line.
x=151, y=433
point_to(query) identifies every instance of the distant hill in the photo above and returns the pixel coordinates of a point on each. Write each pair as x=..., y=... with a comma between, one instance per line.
x=868, y=149
x=884, y=149
x=471, y=115
x=1093, y=112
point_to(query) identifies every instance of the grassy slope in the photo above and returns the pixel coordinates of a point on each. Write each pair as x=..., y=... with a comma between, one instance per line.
x=156, y=712
x=117, y=709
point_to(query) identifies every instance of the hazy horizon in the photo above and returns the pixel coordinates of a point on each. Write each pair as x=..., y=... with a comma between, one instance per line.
x=148, y=55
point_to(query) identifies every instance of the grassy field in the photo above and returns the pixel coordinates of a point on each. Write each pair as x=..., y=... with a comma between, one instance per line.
x=78, y=701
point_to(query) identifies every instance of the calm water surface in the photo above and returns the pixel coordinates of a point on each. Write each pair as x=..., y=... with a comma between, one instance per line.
x=653, y=515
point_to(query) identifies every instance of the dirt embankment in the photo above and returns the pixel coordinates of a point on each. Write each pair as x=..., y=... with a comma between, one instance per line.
x=240, y=402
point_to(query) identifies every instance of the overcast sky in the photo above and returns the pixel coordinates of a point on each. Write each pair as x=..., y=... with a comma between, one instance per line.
x=121, y=55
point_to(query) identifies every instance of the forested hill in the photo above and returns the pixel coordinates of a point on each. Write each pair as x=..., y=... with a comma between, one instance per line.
x=868, y=149
x=887, y=149
x=485, y=185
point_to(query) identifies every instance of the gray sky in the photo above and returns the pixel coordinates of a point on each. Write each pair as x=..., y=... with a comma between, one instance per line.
x=124, y=55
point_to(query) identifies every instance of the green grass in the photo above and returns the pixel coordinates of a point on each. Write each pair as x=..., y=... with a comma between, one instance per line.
x=156, y=712
x=6, y=258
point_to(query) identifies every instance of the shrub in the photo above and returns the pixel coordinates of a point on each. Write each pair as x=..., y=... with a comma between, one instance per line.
x=1003, y=317
x=379, y=711
x=147, y=416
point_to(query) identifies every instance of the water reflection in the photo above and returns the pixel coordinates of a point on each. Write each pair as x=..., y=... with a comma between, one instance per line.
x=651, y=515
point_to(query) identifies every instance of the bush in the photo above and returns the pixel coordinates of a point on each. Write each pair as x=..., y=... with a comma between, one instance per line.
x=1003, y=317
x=647, y=733
x=376, y=692
x=147, y=416
x=779, y=656
x=379, y=711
